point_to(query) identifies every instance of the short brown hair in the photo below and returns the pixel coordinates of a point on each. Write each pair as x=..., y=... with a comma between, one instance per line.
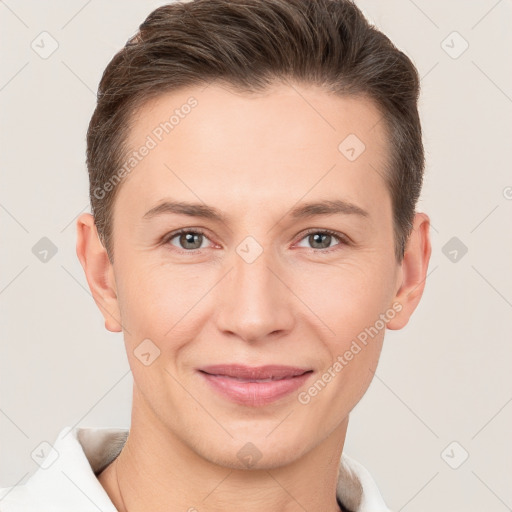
x=249, y=44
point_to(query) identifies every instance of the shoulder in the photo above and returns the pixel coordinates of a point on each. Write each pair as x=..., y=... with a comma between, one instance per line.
x=66, y=478
x=356, y=488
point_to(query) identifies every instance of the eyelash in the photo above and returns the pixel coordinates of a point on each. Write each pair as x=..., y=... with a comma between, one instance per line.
x=343, y=239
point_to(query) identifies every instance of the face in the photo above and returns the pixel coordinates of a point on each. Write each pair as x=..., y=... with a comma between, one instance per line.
x=283, y=255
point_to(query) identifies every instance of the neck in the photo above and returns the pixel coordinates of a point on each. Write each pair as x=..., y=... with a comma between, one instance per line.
x=157, y=471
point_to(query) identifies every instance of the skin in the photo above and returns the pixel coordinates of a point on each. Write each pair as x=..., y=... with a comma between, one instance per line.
x=253, y=157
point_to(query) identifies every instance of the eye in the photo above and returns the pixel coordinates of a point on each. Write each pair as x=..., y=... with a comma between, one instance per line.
x=187, y=239
x=321, y=239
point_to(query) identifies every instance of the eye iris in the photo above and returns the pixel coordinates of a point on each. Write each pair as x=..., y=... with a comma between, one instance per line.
x=317, y=237
x=188, y=238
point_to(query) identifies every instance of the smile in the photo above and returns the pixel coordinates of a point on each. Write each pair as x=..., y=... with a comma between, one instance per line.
x=254, y=386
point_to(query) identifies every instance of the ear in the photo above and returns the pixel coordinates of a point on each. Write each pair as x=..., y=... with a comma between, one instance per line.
x=98, y=271
x=413, y=271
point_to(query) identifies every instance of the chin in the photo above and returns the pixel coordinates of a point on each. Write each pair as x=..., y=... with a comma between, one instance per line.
x=255, y=451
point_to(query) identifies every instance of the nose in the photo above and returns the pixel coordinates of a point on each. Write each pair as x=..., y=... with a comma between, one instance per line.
x=255, y=299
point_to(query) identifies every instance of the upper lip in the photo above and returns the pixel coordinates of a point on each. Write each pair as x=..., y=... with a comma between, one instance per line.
x=255, y=372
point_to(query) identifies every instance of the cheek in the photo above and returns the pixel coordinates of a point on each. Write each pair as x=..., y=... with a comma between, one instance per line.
x=350, y=301
x=346, y=297
x=154, y=299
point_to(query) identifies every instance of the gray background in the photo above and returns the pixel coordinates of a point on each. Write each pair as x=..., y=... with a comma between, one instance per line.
x=444, y=378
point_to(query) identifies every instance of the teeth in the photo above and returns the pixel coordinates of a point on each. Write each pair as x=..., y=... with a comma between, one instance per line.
x=270, y=379
x=254, y=380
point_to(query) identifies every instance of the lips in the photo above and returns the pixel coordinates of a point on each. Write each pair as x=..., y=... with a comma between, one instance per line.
x=254, y=386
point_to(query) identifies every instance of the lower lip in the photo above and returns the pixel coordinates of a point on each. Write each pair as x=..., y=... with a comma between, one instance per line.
x=254, y=394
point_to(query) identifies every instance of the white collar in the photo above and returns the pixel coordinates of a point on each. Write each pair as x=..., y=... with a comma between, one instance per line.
x=67, y=477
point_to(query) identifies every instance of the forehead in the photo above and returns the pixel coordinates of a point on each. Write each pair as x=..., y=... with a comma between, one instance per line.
x=296, y=139
x=291, y=110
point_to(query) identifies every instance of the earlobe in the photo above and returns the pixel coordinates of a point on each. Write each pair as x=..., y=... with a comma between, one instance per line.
x=98, y=271
x=413, y=271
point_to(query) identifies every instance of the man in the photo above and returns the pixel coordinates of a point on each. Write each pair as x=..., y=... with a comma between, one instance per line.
x=254, y=169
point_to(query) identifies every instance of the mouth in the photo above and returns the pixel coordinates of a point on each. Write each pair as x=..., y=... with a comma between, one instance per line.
x=254, y=386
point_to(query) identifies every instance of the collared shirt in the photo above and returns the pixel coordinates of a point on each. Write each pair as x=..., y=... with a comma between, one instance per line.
x=66, y=480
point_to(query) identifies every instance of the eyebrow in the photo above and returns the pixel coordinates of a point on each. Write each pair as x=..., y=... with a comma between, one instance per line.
x=337, y=206
x=183, y=208
x=304, y=210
